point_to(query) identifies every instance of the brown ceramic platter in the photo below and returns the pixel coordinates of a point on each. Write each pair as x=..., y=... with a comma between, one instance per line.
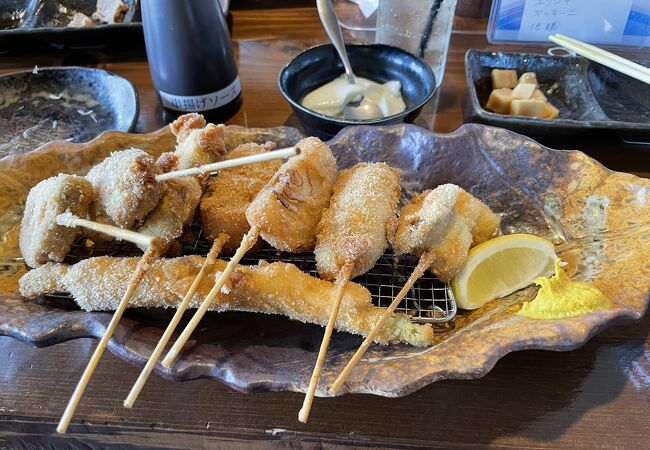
x=599, y=219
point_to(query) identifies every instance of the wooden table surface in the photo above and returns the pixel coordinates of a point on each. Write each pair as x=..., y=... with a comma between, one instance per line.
x=596, y=396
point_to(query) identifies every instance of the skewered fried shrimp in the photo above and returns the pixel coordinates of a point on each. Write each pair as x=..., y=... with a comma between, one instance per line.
x=174, y=211
x=277, y=288
x=41, y=238
x=125, y=187
x=231, y=191
x=444, y=223
x=287, y=210
x=197, y=143
x=360, y=221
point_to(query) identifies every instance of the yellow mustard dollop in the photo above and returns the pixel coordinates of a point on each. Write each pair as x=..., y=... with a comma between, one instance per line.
x=560, y=296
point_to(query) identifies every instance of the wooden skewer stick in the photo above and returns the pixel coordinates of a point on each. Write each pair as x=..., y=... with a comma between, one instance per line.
x=425, y=262
x=341, y=282
x=182, y=307
x=70, y=220
x=137, y=276
x=228, y=163
x=247, y=242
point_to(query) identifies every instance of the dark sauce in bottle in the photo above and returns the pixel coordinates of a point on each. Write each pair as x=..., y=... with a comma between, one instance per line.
x=191, y=58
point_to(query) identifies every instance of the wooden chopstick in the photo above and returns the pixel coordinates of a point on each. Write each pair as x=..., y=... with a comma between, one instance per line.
x=603, y=57
x=593, y=48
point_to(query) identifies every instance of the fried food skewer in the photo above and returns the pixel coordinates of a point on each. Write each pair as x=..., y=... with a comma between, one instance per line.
x=182, y=307
x=439, y=226
x=277, y=288
x=285, y=213
x=138, y=274
x=226, y=164
x=41, y=238
x=354, y=232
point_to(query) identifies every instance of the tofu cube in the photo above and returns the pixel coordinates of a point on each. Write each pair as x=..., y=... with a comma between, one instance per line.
x=529, y=78
x=528, y=108
x=524, y=91
x=500, y=100
x=550, y=111
x=503, y=78
x=538, y=95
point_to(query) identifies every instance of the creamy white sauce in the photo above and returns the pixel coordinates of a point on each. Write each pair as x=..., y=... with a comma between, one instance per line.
x=331, y=98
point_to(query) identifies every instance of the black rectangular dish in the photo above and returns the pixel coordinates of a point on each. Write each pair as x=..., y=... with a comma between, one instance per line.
x=47, y=20
x=589, y=96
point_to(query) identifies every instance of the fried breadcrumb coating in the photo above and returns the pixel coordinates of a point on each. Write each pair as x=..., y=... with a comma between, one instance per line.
x=231, y=191
x=278, y=288
x=41, y=238
x=287, y=210
x=125, y=187
x=360, y=220
x=445, y=222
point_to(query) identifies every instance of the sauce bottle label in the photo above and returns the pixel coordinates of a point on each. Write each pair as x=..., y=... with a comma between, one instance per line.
x=198, y=103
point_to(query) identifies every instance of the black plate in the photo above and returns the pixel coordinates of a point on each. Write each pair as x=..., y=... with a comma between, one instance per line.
x=590, y=96
x=74, y=103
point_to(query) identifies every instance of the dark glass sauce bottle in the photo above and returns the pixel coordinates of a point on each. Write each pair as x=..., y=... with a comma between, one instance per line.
x=191, y=58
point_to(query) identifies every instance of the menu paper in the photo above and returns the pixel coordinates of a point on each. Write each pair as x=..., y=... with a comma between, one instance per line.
x=611, y=23
x=587, y=20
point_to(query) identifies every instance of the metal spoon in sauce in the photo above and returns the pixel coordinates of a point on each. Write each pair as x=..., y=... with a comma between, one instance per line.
x=366, y=108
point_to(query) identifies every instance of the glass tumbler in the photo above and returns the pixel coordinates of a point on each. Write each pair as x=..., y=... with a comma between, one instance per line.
x=422, y=27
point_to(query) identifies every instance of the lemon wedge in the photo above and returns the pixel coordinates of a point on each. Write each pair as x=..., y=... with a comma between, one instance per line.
x=501, y=266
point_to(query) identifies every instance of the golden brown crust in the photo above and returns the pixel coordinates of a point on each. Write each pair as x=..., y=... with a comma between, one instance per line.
x=41, y=239
x=355, y=227
x=125, y=187
x=287, y=210
x=277, y=288
x=231, y=191
x=182, y=126
x=445, y=223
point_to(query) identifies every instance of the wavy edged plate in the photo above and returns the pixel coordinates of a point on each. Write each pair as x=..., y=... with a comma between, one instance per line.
x=600, y=218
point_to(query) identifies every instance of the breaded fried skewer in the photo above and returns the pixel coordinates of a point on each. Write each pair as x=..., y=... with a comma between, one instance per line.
x=439, y=226
x=285, y=213
x=354, y=233
x=268, y=288
x=182, y=307
x=134, y=281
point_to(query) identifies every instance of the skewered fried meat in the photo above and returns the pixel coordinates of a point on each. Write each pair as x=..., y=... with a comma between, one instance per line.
x=41, y=238
x=231, y=191
x=181, y=196
x=360, y=221
x=277, y=288
x=287, y=210
x=444, y=222
x=197, y=143
x=125, y=187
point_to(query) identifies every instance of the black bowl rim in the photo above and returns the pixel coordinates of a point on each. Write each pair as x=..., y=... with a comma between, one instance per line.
x=344, y=122
x=134, y=91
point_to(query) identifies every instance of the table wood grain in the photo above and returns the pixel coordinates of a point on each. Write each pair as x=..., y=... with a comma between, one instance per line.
x=596, y=396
